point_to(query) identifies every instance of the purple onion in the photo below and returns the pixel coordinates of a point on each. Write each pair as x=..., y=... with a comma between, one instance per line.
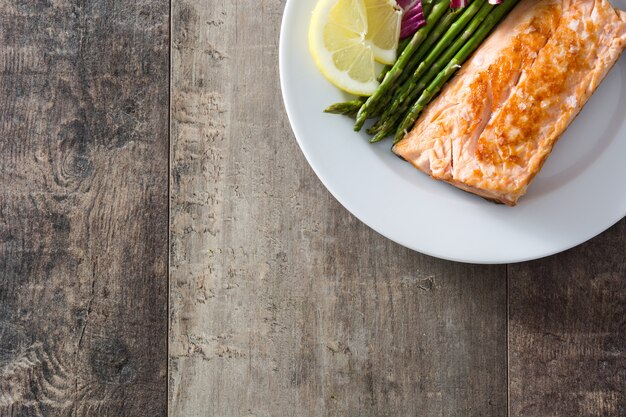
x=457, y=4
x=405, y=3
x=413, y=17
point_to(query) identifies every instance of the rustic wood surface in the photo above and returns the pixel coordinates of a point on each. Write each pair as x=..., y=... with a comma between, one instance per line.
x=83, y=207
x=282, y=303
x=567, y=324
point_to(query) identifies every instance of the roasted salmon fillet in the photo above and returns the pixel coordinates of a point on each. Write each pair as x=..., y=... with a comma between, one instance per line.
x=493, y=126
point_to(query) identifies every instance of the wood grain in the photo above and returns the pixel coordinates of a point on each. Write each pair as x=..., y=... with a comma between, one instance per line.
x=83, y=207
x=568, y=331
x=282, y=303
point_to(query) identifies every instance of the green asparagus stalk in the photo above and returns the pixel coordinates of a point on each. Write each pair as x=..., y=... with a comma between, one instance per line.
x=427, y=9
x=432, y=39
x=416, y=41
x=435, y=86
x=429, y=72
x=347, y=108
x=454, y=29
x=427, y=44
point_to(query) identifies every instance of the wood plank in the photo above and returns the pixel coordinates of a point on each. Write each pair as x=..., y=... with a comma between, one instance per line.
x=282, y=303
x=83, y=207
x=568, y=331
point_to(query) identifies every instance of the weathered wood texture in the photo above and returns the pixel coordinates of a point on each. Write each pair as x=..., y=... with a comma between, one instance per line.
x=282, y=303
x=83, y=207
x=568, y=331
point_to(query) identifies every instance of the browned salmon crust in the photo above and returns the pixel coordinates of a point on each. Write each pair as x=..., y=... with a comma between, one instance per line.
x=494, y=125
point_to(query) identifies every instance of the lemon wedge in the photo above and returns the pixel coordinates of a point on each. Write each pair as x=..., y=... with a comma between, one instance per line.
x=384, y=19
x=340, y=51
x=347, y=37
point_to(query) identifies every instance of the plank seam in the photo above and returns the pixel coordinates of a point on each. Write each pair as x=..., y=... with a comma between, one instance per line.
x=508, y=341
x=169, y=209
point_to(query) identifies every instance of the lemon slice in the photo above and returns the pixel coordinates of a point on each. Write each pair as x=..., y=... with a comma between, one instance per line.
x=339, y=48
x=384, y=19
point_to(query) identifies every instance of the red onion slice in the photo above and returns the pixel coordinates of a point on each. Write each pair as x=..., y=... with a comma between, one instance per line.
x=413, y=18
x=405, y=3
x=457, y=4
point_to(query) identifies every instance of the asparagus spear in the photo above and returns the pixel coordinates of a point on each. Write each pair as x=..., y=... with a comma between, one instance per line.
x=347, y=108
x=432, y=39
x=417, y=85
x=425, y=47
x=455, y=28
x=426, y=8
x=433, y=89
x=438, y=11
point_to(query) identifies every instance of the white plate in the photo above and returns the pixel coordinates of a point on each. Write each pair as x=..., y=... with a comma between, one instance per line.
x=580, y=192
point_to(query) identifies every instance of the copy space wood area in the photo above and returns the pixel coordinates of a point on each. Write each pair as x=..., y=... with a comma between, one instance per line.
x=280, y=302
x=83, y=207
x=567, y=331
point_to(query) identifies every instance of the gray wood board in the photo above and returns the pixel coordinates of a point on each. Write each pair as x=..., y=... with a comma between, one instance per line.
x=568, y=331
x=83, y=207
x=282, y=303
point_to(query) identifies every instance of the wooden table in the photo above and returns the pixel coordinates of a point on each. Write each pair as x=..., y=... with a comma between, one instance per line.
x=279, y=302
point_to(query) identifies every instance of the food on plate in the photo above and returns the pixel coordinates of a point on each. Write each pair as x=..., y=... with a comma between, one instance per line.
x=444, y=35
x=480, y=112
x=346, y=37
x=441, y=63
x=494, y=125
x=410, y=57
